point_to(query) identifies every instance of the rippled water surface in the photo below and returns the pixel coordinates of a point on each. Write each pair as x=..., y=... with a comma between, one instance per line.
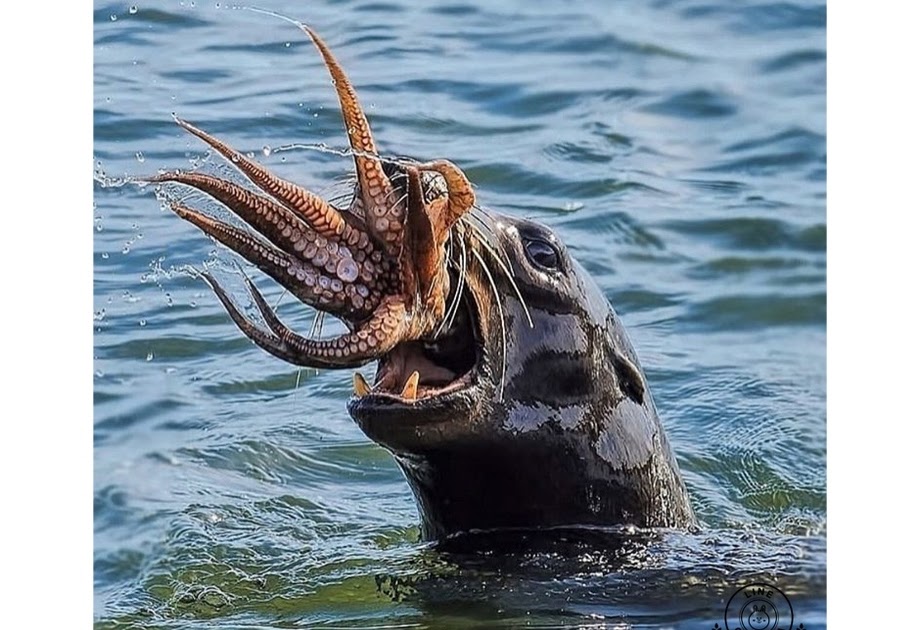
x=679, y=150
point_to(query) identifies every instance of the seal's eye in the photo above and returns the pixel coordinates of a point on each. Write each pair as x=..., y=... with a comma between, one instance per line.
x=542, y=253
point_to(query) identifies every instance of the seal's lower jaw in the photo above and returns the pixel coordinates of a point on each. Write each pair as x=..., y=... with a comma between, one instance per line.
x=449, y=371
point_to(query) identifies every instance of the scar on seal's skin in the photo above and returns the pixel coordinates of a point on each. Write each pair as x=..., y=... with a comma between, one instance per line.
x=506, y=388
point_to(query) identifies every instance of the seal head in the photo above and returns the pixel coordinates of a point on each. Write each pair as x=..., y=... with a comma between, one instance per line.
x=531, y=411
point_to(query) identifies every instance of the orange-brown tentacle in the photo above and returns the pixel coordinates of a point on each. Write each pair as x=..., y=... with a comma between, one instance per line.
x=308, y=284
x=425, y=273
x=377, y=336
x=383, y=211
x=273, y=342
x=325, y=219
x=461, y=197
x=281, y=226
x=261, y=338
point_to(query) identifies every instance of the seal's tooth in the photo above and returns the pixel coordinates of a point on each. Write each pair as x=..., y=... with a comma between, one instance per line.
x=361, y=386
x=410, y=390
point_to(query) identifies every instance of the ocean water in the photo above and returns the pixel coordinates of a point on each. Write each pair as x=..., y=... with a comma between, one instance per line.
x=678, y=148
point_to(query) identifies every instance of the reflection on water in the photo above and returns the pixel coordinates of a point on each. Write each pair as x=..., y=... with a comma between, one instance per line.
x=679, y=150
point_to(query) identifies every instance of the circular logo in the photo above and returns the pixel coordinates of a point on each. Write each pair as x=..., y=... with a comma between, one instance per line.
x=758, y=606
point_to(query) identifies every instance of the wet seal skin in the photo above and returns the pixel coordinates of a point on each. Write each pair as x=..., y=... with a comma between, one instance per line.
x=506, y=387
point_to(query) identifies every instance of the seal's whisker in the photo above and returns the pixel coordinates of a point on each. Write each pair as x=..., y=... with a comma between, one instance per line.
x=399, y=201
x=488, y=231
x=450, y=247
x=451, y=263
x=513, y=284
x=460, y=266
x=458, y=293
x=486, y=238
x=501, y=321
x=506, y=270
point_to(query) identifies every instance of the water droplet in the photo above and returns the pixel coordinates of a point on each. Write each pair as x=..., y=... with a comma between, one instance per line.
x=193, y=304
x=105, y=255
x=250, y=154
x=133, y=9
x=143, y=322
x=266, y=150
x=113, y=17
x=140, y=156
x=169, y=300
x=315, y=114
x=287, y=44
x=99, y=373
x=150, y=356
x=333, y=80
x=283, y=158
x=99, y=315
x=217, y=5
x=108, y=99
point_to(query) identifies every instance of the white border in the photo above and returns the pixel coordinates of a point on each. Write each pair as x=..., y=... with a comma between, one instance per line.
x=46, y=325
x=873, y=204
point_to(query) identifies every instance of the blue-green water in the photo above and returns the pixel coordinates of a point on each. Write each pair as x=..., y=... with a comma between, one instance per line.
x=679, y=150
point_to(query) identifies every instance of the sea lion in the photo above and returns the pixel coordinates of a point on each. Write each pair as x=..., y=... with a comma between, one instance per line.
x=506, y=387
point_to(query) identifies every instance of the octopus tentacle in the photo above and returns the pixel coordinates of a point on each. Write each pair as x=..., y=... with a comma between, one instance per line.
x=383, y=214
x=381, y=267
x=379, y=334
x=312, y=208
x=267, y=312
x=308, y=284
x=278, y=224
x=423, y=256
x=262, y=339
x=461, y=197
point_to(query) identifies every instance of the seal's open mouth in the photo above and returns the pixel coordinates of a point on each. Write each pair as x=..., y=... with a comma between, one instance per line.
x=414, y=371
